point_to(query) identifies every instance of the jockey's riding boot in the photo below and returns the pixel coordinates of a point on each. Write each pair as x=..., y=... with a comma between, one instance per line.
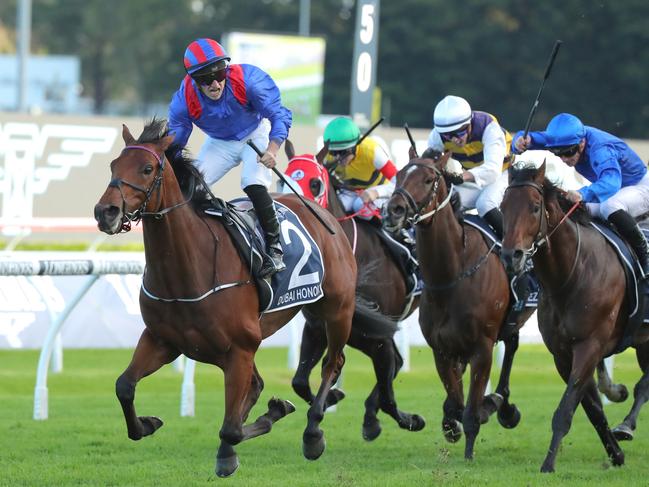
x=265, y=209
x=630, y=230
x=495, y=218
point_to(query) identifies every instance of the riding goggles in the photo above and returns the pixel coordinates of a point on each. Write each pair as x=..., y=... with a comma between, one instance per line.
x=341, y=154
x=567, y=151
x=457, y=134
x=209, y=78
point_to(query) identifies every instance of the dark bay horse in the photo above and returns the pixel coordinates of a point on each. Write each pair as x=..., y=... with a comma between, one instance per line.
x=198, y=297
x=465, y=299
x=380, y=281
x=583, y=309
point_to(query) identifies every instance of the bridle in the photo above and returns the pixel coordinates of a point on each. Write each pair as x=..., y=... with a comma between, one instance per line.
x=136, y=215
x=544, y=232
x=427, y=201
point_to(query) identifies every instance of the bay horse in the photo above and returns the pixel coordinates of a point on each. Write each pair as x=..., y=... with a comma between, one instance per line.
x=198, y=297
x=380, y=281
x=465, y=300
x=583, y=309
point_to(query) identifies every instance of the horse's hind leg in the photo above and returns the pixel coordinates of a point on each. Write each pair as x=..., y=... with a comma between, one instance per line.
x=150, y=354
x=624, y=431
x=226, y=458
x=312, y=348
x=387, y=362
x=594, y=410
x=613, y=392
x=450, y=373
x=338, y=329
x=508, y=414
x=480, y=368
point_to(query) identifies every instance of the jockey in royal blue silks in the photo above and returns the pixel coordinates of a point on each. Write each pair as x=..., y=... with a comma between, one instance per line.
x=232, y=103
x=619, y=189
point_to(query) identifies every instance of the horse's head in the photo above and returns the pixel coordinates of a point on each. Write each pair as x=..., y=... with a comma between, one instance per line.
x=420, y=184
x=136, y=174
x=309, y=175
x=525, y=216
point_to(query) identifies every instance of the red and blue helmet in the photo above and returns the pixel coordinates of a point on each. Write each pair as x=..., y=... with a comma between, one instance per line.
x=203, y=52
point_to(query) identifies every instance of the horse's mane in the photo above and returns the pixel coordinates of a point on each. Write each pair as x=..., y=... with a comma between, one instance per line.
x=552, y=192
x=456, y=201
x=189, y=177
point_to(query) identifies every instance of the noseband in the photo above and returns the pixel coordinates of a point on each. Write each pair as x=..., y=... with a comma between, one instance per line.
x=431, y=197
x=137, y=215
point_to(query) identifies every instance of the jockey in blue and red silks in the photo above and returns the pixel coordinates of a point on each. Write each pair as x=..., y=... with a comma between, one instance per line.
x=232, y=103
x=619, y=189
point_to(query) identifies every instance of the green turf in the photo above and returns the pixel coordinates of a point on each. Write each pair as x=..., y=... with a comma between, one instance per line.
x=84, y=440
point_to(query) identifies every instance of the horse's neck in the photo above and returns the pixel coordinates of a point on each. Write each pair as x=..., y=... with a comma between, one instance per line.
x=440, y=246
x=556, y=260
x=334, y=203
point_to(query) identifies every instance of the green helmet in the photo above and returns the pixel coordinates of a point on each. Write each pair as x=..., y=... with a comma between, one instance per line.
x=341, y=133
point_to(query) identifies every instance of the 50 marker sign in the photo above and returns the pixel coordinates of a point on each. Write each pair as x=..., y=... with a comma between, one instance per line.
x=365, y=52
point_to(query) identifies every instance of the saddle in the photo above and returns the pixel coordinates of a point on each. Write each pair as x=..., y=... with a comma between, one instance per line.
x=301, y=282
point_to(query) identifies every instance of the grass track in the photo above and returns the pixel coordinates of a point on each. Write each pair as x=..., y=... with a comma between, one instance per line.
x=84, y=442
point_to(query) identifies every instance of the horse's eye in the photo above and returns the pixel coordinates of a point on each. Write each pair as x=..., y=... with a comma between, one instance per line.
x=536, y=208
x=429, y=181
x=148, y=169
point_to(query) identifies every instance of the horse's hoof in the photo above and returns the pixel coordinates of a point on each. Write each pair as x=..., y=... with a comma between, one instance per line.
x=547, y=468
x=149, y=426
x=282, y=407
x=617, y=459
x=312, y=447
x=334, y=396
x=226, y=466
x=371, y=429
x=452, y=430
x=623, y=433
x=509, y=417
x=417, y=423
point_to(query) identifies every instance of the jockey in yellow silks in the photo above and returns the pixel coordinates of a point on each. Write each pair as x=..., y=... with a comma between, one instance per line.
x=365, y=169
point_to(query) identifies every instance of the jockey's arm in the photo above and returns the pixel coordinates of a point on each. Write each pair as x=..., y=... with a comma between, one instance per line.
x=494, y=152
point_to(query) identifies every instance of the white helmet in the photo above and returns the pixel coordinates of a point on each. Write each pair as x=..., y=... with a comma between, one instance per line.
x=451, y=113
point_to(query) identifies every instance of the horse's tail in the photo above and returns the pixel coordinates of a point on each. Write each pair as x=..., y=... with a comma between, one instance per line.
x=369, y=320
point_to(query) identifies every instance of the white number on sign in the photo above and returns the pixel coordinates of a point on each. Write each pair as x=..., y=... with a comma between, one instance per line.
x=296, y=279
x=367, y=24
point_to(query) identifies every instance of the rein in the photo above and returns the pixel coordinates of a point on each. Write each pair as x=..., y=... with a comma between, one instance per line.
x=137, y=215
x=540, y=239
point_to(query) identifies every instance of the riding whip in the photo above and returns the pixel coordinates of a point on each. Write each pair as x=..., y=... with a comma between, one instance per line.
x=412, y=141
x=370, y=130
x=281, y=176
x=555, y=50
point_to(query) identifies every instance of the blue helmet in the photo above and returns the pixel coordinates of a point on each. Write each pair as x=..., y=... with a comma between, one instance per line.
x=564, y=130
x=203, y=52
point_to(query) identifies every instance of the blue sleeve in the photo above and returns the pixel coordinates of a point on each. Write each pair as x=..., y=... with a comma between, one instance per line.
x=609, y=176
x=265, y=98
x=538, y=140
x=179, y=122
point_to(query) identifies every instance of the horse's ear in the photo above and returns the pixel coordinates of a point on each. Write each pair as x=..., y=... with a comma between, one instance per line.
x=441, y=162
x=126, y=135
x=322, y=153
x=540, y=175
x=165, y=142
x=289, y=150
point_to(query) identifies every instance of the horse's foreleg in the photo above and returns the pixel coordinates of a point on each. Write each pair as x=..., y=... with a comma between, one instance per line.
x=239, y=377
x=338, y=328
x=595, y=411
x=480, y=368
x=312, y=348
x=150, y=354
x=450, y=373
x=613, y=392
x=575, y=374
x=508, y=414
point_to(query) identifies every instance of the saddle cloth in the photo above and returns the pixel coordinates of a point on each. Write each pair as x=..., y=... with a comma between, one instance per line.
x=635, y=291
x=301, y=282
